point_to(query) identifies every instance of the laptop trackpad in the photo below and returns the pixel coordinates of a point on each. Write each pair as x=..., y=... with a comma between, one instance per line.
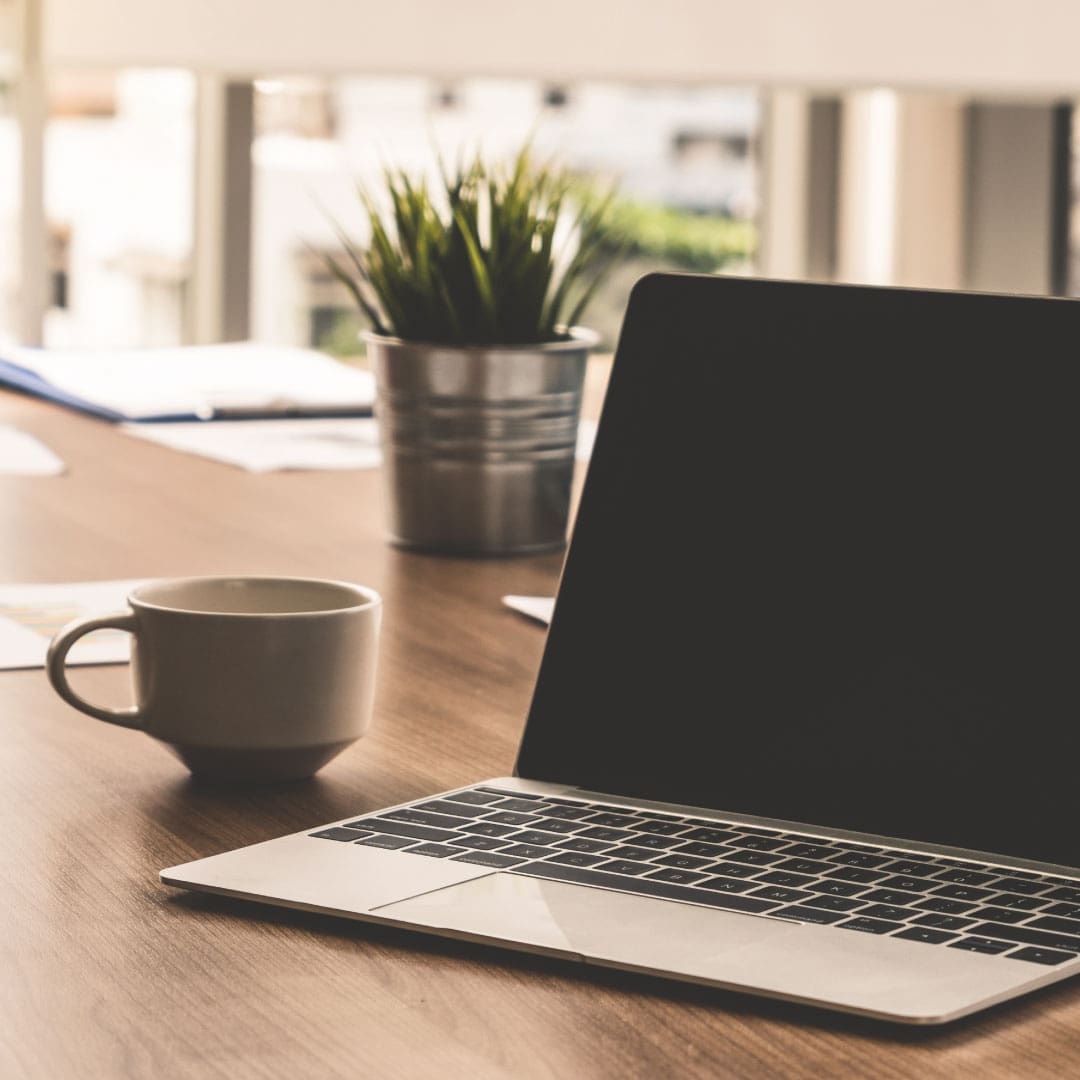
x=585, y=921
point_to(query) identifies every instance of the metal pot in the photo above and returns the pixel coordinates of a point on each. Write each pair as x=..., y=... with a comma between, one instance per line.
x=478, y=442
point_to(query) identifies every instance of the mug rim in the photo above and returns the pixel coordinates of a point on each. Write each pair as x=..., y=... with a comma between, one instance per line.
x=367, y=598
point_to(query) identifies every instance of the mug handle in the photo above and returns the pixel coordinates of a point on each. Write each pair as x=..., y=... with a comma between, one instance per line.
x=130, y=716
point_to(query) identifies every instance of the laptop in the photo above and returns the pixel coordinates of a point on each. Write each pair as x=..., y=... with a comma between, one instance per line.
x=808, y=716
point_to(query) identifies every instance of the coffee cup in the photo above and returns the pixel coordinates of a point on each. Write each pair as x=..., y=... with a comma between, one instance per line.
x=242, y=678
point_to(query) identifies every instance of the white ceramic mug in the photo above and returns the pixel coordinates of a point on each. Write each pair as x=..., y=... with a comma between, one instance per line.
x=256, y=678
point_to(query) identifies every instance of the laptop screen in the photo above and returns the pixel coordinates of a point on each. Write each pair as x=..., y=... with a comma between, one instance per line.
x=826, y=566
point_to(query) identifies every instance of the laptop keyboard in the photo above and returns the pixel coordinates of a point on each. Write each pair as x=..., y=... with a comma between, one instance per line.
x=931, y=899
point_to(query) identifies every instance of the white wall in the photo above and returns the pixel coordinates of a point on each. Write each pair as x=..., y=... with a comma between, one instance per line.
x=986, y=46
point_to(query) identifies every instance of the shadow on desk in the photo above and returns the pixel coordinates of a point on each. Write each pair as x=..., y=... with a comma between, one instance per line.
x=504, y=963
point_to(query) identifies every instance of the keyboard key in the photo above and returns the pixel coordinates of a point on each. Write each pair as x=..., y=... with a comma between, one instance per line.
x=564, y=802
x=757, y=830
x=628, y=851
x=416, y=832
x=833, y=903
x=389, y=842
x=962, y=892
x=957, y=876
x=1026, y=936
x=534, y=836
x=525, y=851
x=758, y=843
x=734, y=870
x=422, y=817
x=778, y=892
x=1021, y=885
x=510, y=817
x=1070, y=911
x=653, y=815
x=836, y=888
x=1042, y=956
x=570, y=813
x=911, y=884
x=890, y=896
x=710, y=836
x=804, y=913
x=804, y=866
x=487, y=828
x=1019, y=903
x=1053, y=922
x=677, y=877
x=441, y=806
x=808, y=851
x=914, y=856
x=1000, y=914
x=1028, y=875
x=925, y=934
x=525, y=806
x=981, y=944
x=476, y=798
x=579, y=843
x=681, y=862
x=753, y=858
x=853, y=873
x=859, y=858
x=486, y=858
x=891, y=911
x=709, y=851
x=1068, y=883
x=624, y=866
x=336, y=833
x=435, y=851
x=478, y=843
x=661, y=828
x=849, y=846
x=962, y=862
x=801, y=836
x=600, y=832
x=512, y=794
x=943, y=922
x=944, y=905
x=651, y=840
x=557, y=825
x=870, y=926
x=644, y=887
x=1069, y=893
x=615, y=821
x=726, y=884
x=911, y=868
x=785, y=877
x=576, y=858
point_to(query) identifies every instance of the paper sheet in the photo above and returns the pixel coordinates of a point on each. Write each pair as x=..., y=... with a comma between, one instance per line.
x=274, y=445
x=538, y=608
x=199, y=380
x=23, y=455
x=31, y=614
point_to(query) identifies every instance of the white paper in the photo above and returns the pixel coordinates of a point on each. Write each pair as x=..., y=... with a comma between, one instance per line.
x=31, y=614
x=200, y=380
x=23, y=455
x=538, y=608
x=274, y=445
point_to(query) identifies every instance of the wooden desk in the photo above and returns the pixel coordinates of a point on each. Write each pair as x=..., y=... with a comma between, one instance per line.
x=106, y=973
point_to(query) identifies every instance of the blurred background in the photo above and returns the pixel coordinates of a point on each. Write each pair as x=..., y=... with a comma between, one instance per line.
x=168, y=172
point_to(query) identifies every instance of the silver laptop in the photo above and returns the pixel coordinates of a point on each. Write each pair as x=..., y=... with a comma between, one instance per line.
x=808, y=718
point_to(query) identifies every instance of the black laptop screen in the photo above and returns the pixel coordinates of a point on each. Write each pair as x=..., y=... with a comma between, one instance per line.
x=826, y=566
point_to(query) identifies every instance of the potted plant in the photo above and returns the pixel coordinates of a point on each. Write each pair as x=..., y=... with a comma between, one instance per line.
x=473, y=287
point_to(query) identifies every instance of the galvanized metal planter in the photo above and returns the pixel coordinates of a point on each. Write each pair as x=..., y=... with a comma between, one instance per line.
x=478, y=442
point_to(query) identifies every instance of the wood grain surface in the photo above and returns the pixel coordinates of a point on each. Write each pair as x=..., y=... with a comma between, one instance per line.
x=105, y=973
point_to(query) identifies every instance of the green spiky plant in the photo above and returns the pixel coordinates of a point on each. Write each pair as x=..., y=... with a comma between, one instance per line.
x=491, y=255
